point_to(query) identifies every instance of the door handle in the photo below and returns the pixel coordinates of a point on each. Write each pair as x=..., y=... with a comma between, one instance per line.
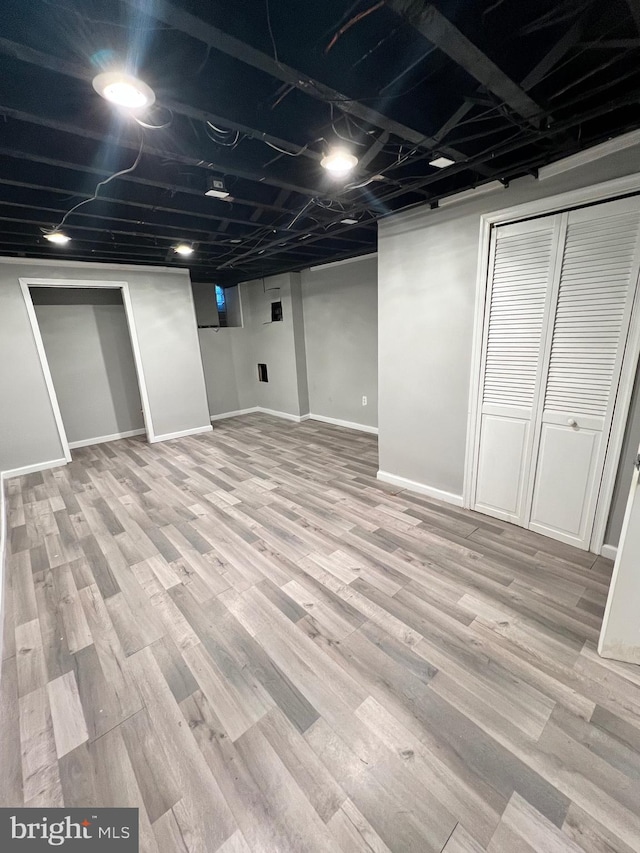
x=637, y=462
x=572, y=422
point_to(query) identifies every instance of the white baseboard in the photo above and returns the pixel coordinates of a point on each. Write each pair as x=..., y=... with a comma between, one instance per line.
x=236, y=414
x=420, y=488
x=287, y=417
x=31, y=469
x=181, y=434
x=346, y=424
x=255, y=409
x=102, y=439
x=296, y=418
x=609, y=551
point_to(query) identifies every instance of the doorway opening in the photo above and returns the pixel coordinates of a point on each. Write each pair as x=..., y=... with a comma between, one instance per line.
x=87, y=344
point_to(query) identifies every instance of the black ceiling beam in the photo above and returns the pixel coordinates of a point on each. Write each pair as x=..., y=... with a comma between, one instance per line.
x=501, y=150
x=440, y=31
x=553, y=56
x=248, y=222
x=79, y=72
x=135, y=178
x=540, y=70
x=154, y=253
x=202, y=31
x=194, y=159
x=185, y=231
x=15, y=228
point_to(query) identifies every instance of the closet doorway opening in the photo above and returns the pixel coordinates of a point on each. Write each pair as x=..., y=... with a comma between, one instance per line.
x=88, y=347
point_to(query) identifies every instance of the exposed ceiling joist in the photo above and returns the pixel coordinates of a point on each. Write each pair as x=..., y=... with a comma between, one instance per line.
x=441, y=32
x=130, y=200
x=80, y=72
x=498, y=151
x=206, y=33
x=189, y=159
x=216, y=207
x=553, y=56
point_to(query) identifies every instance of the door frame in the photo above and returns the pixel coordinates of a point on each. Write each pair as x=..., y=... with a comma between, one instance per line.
x=597, y=193
x=123, y=287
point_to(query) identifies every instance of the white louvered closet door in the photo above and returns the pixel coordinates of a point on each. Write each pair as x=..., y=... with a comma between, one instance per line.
x=591, y=308
x=521, y=274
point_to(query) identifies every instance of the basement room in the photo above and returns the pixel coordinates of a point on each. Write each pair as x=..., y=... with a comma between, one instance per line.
x=320, y=426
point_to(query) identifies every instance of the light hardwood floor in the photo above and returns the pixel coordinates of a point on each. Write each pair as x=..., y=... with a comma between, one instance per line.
x=248, y=637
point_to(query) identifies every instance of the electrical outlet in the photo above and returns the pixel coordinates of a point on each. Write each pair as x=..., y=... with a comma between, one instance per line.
x=364, y=400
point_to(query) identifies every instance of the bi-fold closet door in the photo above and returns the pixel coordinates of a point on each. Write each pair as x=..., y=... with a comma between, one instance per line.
x=559, y=299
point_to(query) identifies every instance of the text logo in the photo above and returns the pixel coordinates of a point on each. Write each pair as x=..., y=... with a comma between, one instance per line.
x=35, y=830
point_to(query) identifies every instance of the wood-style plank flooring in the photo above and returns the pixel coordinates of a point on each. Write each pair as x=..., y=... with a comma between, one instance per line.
x=247, y=636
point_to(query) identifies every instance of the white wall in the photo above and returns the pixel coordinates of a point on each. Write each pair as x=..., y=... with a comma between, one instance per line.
x=167, y=334
x=341, y=335
x=427, y=261
x=86, y=340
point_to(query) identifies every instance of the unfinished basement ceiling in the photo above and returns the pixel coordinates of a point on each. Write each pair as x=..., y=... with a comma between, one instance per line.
x=500, y=87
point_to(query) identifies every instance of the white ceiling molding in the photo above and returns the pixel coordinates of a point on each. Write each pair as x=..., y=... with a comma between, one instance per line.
x=344, y=261
x=466, y=195
x=611, y=146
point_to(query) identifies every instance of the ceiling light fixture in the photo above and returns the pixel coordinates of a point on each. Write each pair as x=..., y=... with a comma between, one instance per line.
x=339, y=162
x=183, y=249
x=217, y=189
x=124, y=90
x=441, y=162
x=57, y=237
x=349, y=221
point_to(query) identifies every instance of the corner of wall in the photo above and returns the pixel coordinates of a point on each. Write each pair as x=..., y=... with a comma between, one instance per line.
x=297, y=315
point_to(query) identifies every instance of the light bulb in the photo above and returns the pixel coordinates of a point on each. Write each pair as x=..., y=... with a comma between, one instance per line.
x=183, y=249
x=123, y=90
x=339, y=162
x=57, y=237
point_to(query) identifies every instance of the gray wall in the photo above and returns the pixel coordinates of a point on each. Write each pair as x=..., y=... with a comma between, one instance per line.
x=427, y=262
x=165, y=320
x=204, y=301
x=88, y=348
x=321, y=358
x=231, y=356
x=341, y=337
x=273, y=344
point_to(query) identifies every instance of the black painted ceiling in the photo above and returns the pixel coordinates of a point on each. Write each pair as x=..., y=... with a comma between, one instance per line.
x=502, y=87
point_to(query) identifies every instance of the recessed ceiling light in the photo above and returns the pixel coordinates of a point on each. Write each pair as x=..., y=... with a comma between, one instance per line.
x=339, y=162
x=124, y=90
x=441, y=162
x=349, y=221
x=57, y=237
x=183, y=249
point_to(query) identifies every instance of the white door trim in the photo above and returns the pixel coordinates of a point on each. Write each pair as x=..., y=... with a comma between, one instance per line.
x=606, y=191
x=123, y=286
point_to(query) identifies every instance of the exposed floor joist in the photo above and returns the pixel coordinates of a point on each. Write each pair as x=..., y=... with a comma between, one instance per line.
x=439, y=30
x=204, y=32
